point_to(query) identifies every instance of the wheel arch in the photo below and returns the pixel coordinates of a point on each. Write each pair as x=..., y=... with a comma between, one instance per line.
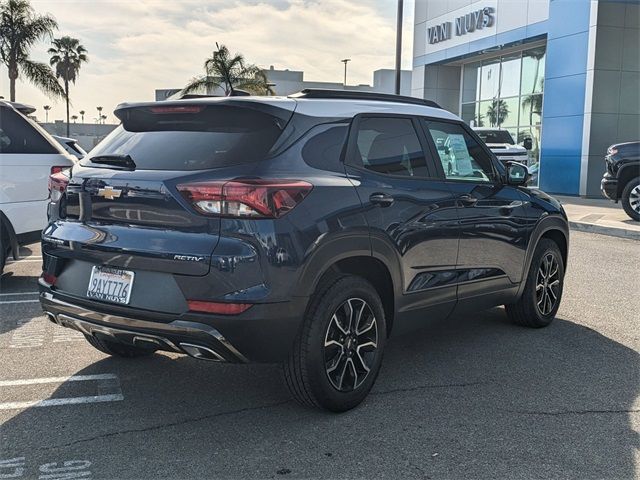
x=626, y=174
x=340, y=257
x=553, y=227
x=7, y=231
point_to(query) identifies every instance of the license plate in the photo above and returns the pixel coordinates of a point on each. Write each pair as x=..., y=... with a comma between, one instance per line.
x=110, y=284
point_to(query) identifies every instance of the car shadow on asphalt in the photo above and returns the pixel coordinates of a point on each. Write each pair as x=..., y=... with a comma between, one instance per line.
x=472, y=397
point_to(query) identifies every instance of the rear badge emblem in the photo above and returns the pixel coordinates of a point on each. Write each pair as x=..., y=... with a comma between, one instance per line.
x=188, y=258
x=109, y=193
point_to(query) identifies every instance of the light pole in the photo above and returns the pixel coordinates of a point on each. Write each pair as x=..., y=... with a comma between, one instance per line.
x=345, y=61
x=398, y=46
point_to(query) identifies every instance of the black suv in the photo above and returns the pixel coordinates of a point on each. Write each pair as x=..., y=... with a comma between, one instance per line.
x=621, y=180
x=302, y=230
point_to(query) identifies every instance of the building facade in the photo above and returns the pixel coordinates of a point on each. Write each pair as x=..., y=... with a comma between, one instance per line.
x=565, y=73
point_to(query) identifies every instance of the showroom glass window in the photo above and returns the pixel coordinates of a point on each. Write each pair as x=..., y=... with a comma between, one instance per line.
x=506, y=92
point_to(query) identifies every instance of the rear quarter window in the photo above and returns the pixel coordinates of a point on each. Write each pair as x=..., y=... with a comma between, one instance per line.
x=324, y=145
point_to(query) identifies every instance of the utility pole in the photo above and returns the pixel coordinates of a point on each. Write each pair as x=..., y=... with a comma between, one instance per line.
x=398, y=46
x=345, y=61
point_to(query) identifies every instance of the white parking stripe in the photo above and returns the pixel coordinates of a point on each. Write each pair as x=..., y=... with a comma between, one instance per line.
x=52, y=402
x=74, y=378
x=17, y=293
x=7, y=302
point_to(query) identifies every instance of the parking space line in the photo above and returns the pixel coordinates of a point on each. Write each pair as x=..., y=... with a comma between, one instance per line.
x=8, y=302
x=17, y=293
x=74, y=378
x=108, y=389
x=52, y=402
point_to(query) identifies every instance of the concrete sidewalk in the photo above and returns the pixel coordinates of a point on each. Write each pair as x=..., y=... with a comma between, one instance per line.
x=597, y=215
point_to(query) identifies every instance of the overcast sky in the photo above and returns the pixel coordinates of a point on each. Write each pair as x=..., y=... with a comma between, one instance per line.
x=139, y=45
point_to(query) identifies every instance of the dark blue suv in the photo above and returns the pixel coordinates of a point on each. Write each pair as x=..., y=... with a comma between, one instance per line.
x=303, y=230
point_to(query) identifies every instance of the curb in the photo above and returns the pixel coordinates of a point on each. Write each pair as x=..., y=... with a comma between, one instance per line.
x=602, y=230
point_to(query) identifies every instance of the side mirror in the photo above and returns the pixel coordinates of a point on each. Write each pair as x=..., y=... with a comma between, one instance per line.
x=528, y=143
x=517, y=174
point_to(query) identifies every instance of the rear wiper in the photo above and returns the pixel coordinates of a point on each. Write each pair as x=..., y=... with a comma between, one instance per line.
x=116, y=160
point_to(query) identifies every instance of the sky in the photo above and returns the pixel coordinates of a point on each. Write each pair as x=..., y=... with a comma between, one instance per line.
x=137, y=46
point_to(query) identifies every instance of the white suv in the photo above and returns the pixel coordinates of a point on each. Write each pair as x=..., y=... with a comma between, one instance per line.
x=28, y=156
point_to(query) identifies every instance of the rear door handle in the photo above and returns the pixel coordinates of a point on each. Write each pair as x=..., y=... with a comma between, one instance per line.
x=382, y=199
x=467, y=200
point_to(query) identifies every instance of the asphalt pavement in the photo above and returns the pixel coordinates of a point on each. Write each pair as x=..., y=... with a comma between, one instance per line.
x=472, y=397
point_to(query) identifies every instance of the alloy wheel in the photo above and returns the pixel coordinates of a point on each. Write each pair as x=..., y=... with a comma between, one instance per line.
x=634, y=198
x=350, y=344
x=547, y=284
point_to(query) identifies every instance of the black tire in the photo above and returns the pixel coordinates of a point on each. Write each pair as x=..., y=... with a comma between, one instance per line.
x=631, y=199
x=306, y=371
x=118, y=349
x=532, y=310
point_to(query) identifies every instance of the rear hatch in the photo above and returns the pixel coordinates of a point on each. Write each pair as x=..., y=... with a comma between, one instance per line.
x=122, y=208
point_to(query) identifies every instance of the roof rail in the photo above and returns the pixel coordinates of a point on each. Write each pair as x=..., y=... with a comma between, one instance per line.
x=357, y=95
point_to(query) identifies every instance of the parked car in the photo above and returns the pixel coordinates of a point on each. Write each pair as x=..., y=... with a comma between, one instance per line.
x=621, y=180
x=504, y=146
x=303, y=230
x=28, y=156
x=71, y=146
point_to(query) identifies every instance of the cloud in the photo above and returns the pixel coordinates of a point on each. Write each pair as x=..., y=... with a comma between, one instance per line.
x=136, y=47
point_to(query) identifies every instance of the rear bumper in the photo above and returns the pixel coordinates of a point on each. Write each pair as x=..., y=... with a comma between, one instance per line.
x=264, y=333
x=609, y=187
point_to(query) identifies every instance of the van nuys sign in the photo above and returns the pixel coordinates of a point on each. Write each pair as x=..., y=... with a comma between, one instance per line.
x=470, y=22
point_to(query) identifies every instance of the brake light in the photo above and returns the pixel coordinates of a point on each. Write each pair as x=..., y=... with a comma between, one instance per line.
x=49, y=278
x=57, y=185
x=58, y=169
x=252, y=198
x=217, y=307
x=177, y=109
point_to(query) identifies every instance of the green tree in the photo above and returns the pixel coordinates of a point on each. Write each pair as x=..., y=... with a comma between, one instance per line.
x=229, y=72
x=67, y=56
x=82, y=112
x=20, y=29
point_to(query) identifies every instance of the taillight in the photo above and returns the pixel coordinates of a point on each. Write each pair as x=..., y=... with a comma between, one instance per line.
x=57, y=185
x=218, y=307
x=252, y=198
x=49, y=278
x=58, y=169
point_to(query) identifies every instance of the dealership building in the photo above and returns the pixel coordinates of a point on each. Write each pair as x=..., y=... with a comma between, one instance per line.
x=565, y=73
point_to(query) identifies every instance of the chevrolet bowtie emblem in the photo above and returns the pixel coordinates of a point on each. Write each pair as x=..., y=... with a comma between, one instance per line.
x=109, y=193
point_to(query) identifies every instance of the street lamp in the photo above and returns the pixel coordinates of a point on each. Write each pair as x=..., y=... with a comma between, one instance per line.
x=398, y=46
x=345, y=61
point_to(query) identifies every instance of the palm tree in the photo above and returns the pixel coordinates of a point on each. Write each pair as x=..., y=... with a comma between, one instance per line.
x=103, y=118
x=20, y=29
x=82, y=112
x=497, y=112
x=229, y=72
x=46, y=109
x=99, y=113
x=67, y=55
x=74, y=118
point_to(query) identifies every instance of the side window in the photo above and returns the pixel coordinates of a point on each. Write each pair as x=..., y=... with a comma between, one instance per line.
x=390, y=146
x=461, y=156
x=324, y=147
x=17, y=135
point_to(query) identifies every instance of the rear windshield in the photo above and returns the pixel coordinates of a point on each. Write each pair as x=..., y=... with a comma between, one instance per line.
x=216, y=136
x=496, y=136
